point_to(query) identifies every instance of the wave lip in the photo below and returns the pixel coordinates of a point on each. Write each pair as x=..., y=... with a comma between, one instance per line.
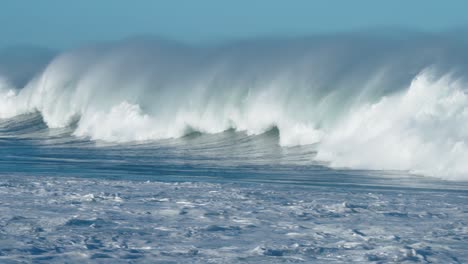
x=366, y=102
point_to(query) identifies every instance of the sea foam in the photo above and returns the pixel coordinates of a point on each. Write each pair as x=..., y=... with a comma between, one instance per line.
x=366, y=102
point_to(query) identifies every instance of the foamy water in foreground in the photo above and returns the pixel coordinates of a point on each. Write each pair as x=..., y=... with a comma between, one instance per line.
x=56, y=220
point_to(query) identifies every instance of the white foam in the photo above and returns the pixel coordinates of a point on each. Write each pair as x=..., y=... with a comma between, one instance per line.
x=372, y=114
x=423, y=129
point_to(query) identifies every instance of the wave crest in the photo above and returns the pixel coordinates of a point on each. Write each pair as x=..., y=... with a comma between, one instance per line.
x=367, y=102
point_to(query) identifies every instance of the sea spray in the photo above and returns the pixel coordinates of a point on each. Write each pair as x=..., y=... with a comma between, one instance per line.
x=366, y=101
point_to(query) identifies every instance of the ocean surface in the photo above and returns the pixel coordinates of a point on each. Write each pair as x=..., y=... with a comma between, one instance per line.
x=327, y=149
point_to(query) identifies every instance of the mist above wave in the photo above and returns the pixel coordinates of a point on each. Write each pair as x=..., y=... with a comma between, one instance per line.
x=368, y=101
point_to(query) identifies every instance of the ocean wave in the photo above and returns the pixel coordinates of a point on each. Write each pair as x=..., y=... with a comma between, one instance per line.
x=369, y=102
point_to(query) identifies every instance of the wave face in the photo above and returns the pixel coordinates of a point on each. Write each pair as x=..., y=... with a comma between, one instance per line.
x=372, y=102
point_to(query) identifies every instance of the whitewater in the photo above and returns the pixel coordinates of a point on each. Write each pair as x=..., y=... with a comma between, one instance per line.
x=322, y=149
x=366, y=102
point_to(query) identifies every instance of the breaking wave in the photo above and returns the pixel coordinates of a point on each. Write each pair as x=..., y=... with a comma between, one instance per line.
x=373, y=102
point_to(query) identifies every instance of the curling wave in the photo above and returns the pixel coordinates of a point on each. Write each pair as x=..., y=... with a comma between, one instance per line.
x=368, y=102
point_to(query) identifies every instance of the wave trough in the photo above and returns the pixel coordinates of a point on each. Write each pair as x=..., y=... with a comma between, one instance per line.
x=369, y=102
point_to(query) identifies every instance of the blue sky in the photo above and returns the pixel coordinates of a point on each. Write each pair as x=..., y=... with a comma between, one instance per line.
x=68, y=23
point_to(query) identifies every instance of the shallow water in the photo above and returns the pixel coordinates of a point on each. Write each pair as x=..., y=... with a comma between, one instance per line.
x=225, y=197
x=73, y=219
